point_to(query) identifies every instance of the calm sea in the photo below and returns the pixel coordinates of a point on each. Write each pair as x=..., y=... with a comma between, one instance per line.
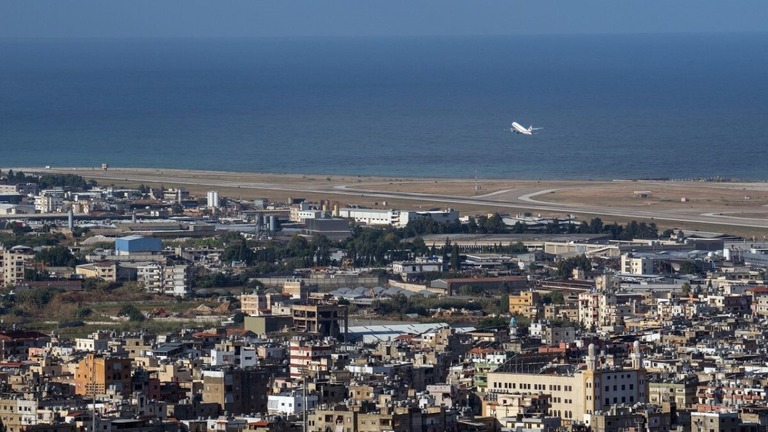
x=658, y=106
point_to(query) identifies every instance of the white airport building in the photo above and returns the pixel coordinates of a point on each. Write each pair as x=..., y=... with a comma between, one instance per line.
x=396, y=218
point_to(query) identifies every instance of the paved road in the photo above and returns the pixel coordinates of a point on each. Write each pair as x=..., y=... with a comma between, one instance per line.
x=524, y=201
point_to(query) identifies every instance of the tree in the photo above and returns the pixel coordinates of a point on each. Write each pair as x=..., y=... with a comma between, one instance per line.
x=495, y=224
x=238, y=318
x=565, y=267
x=519, y=227
x=596, y=225
x=686, y=289
x=238, y=252
x=455, y=263
x=553, y=227
x=469, y=290
x=58, y=256
x=132, y=312
x=418, y=247
x=82, y=312
x=472, y=225
x=35, y=298
x=321, y=247
x=689, y=267
x=517, y=248
x=557, y=297
x=503, y=304
x=493, y=322
x=31, y=274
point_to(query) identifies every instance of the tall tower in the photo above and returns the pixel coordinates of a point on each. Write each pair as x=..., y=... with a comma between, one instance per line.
x=636, y=356
x=591, y=358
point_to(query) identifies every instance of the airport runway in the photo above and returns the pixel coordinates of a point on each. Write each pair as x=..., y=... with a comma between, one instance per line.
x=524, y=199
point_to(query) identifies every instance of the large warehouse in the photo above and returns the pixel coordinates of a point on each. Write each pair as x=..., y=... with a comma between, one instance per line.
x=137, y=244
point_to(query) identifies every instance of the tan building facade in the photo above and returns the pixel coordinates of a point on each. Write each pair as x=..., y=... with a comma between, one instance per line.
x=106, y=271
x=576, y=394
x=525, y=304
x=102, y=375
x=12, y=264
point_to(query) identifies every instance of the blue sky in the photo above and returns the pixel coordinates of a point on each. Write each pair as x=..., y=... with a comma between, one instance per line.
x=254, y=18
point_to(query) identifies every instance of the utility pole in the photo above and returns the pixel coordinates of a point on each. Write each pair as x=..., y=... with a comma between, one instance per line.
x=304, y=388
x=93, y=392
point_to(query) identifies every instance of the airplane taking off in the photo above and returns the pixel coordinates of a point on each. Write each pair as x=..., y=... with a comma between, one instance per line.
x=518, y=128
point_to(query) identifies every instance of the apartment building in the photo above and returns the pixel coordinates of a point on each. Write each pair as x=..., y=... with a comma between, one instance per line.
x=50, y=201
x=636, y=265
x=324, y=319
x=15, y=344
x=18, y=415
x=598, y=309
x=308, y=356
x=104, y=270
x=290, y=403
x=12, y=264
x=236, y=390
x=102, y=375
x=526, y=304
x=172, y=280
x=576, y=394
x=395, y=419
x=233, y=353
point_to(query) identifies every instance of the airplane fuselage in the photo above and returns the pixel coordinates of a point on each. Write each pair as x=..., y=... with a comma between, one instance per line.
x=518, y=128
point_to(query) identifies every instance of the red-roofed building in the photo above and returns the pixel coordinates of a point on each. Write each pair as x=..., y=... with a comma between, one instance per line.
x=209, y=339
x=276, y=425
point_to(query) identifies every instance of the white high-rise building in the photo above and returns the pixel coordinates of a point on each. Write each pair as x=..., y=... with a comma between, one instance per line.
x=50, y=201
x=12, y=264
x=636, y=265
x=213, y=199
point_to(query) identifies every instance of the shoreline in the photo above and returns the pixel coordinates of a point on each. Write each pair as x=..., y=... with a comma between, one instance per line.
x=310, y=175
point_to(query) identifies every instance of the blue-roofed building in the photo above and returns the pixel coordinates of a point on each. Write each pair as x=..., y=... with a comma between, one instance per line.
x=137, y=244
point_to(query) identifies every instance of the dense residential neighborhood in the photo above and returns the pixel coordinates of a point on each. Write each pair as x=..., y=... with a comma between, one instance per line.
x=141, y=309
